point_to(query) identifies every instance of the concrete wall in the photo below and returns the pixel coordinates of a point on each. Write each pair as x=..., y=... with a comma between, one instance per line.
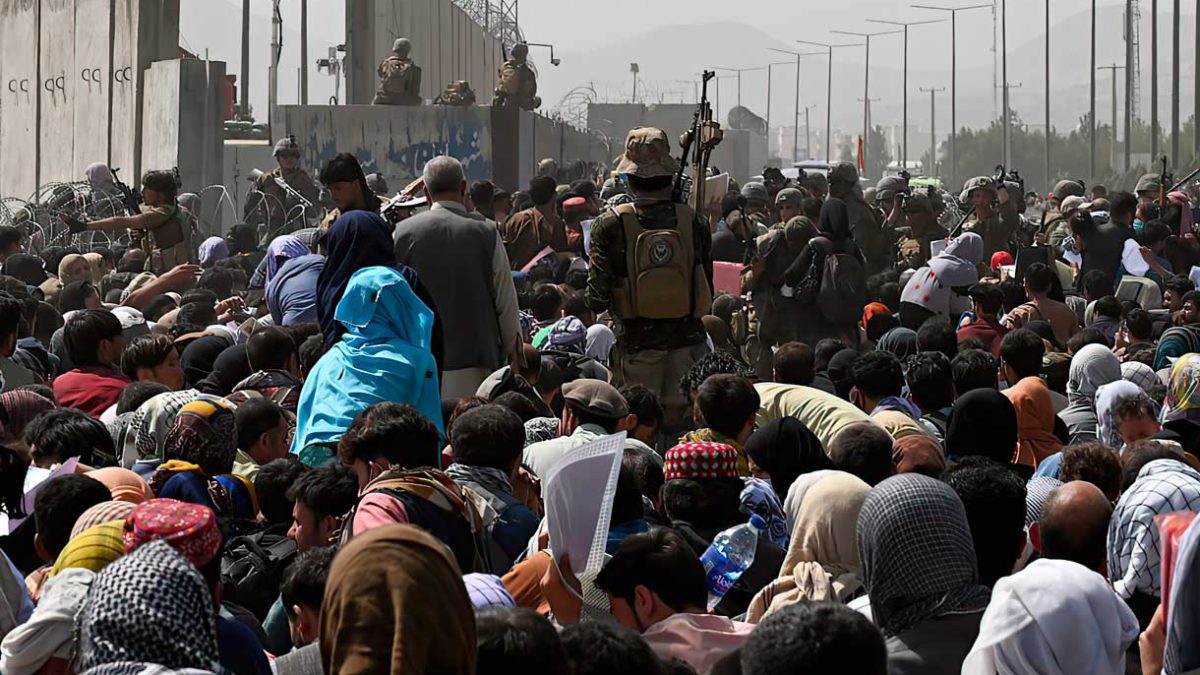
x=19, y=97
x=392, y=140
x=182, y=121
x=70, y=85
x=447, y=44
x=503, y=145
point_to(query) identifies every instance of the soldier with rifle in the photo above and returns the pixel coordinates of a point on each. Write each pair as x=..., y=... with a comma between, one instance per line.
x=651, y=264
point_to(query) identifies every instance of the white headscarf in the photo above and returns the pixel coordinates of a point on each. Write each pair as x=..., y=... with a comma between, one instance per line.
x=1055, y=617
x=1107, y=397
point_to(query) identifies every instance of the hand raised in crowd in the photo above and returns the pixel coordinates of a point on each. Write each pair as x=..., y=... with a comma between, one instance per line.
x=231, y=308
x=182, y=277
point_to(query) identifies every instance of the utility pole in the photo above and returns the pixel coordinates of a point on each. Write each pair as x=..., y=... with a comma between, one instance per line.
x=1004, y=80
x=807, y=135
x=866, y=86
x=1112, y=147
x=245, y=83
x=1092, y=113
x=276, y=48
x=953, y=80
x=828, y=93
x=1175, y=158
x=1196, y=90
x=932, y=168
x=1047, y=136
x=769, y=79
x=904, y=79
x=739, y=72
x=1153, y=80
x=1129, y=82
x=303, y=52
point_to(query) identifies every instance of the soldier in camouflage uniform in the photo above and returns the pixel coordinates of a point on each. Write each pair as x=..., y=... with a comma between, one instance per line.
x=518, y=83
x=271, y=205
x=995, y=225
x=875, y=244
x=399, y=77
x=921, y=228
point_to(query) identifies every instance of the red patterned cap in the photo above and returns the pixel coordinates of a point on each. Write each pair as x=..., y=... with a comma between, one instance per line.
x=700, y=460
x=190, y=529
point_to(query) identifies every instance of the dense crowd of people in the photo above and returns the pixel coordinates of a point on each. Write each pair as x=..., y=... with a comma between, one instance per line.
x=961, y=447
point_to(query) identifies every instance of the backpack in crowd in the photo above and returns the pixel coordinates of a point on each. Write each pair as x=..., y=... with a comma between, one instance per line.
x=843, y=290
x=252, y=568
x=665, y=280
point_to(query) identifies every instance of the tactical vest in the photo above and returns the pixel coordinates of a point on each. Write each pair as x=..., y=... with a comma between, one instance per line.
x=664, y=279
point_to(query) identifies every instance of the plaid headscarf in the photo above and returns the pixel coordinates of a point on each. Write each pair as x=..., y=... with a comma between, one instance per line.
x=699, y=461
x=1037, y=491
x=1162, y=486
x=918, y=560
x=205, y=434
x=148, y=429
x=149, y=607
x=1140, y=374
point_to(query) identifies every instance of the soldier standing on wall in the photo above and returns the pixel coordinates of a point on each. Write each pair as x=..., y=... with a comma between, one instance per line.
x=518, y=82
x=274, y=206
x=399, y=77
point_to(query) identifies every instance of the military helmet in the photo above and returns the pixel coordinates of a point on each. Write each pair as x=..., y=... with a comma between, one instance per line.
x=790, y=197
x=1150, y=182
x=401, y=47
x=888, y=186
x=287, y=146
x=519, y=51
x=756, y=191
x=1067, y=188
x=976, y=183
x=547, y=167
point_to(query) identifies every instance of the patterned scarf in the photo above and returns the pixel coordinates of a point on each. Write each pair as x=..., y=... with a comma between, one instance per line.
x=141, y=606
x=204, y=433
x=918, y=559
x=1162, y=486
x=148, y=427
x=712, y=436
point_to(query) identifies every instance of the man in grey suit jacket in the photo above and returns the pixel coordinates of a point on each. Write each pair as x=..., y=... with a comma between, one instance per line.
x=460, y=258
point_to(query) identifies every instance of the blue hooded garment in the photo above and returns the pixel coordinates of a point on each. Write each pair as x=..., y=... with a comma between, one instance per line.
x=292, y=291
x=383, y=356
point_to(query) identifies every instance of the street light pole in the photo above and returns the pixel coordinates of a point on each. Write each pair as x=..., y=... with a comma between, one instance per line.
x=769, y=67
x=904, y=78
x=1092, y=114
x=1004, y=77
x=807, y=135
x=1112, y=146
x=1153, y=81
x=932, y=168
x=796, y=111
x=1129, y=83
x=828, y=94
x=1175, y=158
x=866, y=86
x=953, y=79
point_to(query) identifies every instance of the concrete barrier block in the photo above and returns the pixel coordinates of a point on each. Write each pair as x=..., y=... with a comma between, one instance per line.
x=57, y=85
x=19, y=97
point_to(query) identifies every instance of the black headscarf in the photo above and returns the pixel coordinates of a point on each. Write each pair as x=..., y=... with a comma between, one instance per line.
x=73, y=296
x=357, y=240
x=835, y=221
x=243, y=238
x=28, y=268
x=786, y=449
x=199, y=357
x=984, y=423
x=230, y=367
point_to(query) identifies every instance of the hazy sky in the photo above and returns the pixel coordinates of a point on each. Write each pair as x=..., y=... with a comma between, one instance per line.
x=597, y=41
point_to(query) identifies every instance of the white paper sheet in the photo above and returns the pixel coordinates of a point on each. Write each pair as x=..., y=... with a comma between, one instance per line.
x=1132, y=259
x=1072, y=257
x=937, y=246
x=1194, y=275
x=578, y=495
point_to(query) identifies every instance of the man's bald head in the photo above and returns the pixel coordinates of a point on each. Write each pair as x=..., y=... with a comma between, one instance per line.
x=1074, y=525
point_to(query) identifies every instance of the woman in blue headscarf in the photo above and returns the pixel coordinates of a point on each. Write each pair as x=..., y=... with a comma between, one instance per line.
x=384, y=356
x=357, y=240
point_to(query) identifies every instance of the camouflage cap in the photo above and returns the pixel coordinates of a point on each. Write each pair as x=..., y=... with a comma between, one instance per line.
x=888, y=186
x=918, y=203
x=1067, y=188
x=648, y=154
x=843, y=172
x=790, y=196
x=1150, y=182
x=756, y=191
x=402, y=47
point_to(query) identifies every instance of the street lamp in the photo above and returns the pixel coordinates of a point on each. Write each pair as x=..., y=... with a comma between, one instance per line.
x=828, y=89
x=953, y=78
x=866, y=84
x=553, y=61
x=739, y=72
x=904, y=84
x=796, y=112
x=770, y=66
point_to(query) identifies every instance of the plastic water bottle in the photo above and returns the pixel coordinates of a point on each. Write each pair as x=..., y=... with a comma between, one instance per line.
x=730, y=554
